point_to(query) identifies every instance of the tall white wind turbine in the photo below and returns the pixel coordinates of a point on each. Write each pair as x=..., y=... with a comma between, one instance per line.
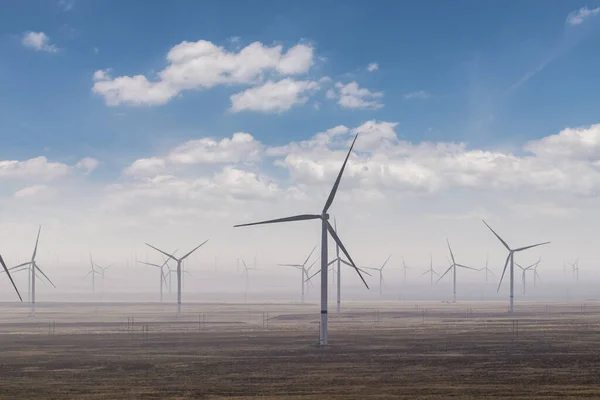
x=93, y=272
x=487, y=269
x=511, y=258
x=325, y=229
x=246, y=274
x=453, y=267
x=179, y=261
x=524, y=272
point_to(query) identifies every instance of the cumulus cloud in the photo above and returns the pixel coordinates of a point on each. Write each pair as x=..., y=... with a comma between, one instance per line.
x=580, y=16
x=352, y=95
x=35, y=168
x=38, y=41
x=87, y=164
x=273, y=96
x=203, y=65
x=372, y=67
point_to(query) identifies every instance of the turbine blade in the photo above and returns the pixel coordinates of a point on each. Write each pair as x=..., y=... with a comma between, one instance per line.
x=42, y=272
x=10, y=277
x=337, y=181
x=302, y=217
x=196, y=248
x=386, y=261
x=426, y=272
x=331, y=262
x=307, y=258
x=339, y=242
x=530, y=247
x=312, y=276
x=504, y=270
x=444, y=274
x=20, y=265
x=160, y=251
x=36, y=244
x=451, y=254
x=147, y=263
x=498, y=236
x=86, y=275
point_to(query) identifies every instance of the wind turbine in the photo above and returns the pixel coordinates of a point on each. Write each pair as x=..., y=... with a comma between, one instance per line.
x=93, y=272
x=487, y=269
x=404, y=269
x=524, y=270
x=511, y=258
x=452, y=267
x=32, y=268
x=246, y=274
x=431, y=271
x=325, y=229
x=179, y=274
x=380, y=269
x=575, y=267
x=10, y=277
x=163, y=277
x=303, y=270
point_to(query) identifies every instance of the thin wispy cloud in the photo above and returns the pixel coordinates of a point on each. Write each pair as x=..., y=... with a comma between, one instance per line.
x=38, y=41
x=580, y=16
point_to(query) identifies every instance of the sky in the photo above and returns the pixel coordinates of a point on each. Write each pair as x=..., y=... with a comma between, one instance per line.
x=128, y=122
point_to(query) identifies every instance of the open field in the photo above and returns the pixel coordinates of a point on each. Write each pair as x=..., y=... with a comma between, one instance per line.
x=378, y=350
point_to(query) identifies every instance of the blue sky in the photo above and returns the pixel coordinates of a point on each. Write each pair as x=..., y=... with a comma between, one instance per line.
x=465, y=109
x=465, y=54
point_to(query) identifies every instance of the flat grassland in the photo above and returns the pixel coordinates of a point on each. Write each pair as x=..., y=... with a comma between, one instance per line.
x=381, y=350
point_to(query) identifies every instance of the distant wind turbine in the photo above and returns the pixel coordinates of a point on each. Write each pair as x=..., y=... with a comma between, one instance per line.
x=325, y=229
x=524, y=271
x=487, y=270
x=404, y=269
x=511, y=258
x=32, y=268
x=303, y=271
x=179, y=272
x=93, y=273
x=380, y=270
x=246, y=275
x=453, y=267
x=575, y=267
x=431, y=271
x=163, y=277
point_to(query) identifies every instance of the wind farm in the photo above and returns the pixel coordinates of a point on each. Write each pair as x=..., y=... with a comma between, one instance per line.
x=338, y=200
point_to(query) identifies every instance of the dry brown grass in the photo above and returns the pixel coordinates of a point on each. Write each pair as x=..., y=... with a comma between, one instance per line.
x=451, y=354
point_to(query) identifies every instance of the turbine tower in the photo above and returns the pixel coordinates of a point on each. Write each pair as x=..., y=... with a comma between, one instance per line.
x=303, y=270
x=511, y=258
x=431, y=271
x=179, y=274
x=452, y=267
x=325, y=229
x=10, y=277
x=380, y=269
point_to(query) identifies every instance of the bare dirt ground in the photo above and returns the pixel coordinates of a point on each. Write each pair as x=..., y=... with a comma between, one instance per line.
x=377, y=350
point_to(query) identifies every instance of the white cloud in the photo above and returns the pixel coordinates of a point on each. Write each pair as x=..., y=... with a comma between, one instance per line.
x=273, y=96
x=203, y=65
x=581, y=143
x=372, y=67
x=87, y=164
x=579, y=16
x=66, y=5
x=38, y=41
x=353, y=96
x=419, y=94
x=146, y=166
x=240, y=148
x=36, y=192
x=34, y=168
